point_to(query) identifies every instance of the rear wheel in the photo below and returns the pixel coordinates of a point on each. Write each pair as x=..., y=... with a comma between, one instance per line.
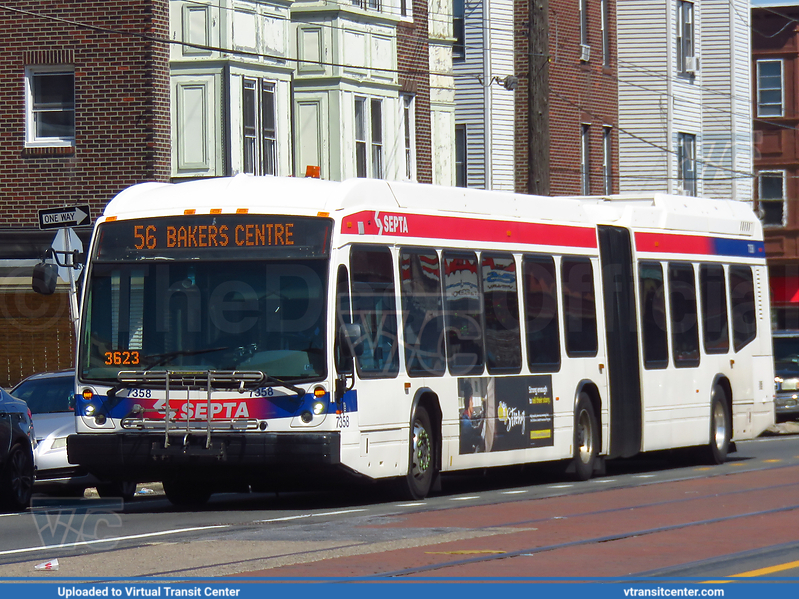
x=16, y=484
x=186, y=493
x=586, y=438
x=125, y=490
x=422, y=464
x=720, y=426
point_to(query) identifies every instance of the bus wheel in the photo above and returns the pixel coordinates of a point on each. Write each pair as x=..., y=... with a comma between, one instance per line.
x=185, y=493
x=586, y=438
x=422, y=464
x=124, y=490
x=720, y=426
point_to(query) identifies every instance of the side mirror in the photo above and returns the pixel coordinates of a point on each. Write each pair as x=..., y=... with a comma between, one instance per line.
x=350, y=336
x=45, y=277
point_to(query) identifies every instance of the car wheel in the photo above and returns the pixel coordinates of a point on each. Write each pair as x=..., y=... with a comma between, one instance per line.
x=16, y=486
x=123, y=489
x=186, y=493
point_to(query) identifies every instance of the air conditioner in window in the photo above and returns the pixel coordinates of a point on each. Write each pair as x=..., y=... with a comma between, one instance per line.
x=691, y=64
x=585, y=52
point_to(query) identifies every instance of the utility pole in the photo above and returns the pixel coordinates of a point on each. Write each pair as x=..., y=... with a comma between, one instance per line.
x=538, y=111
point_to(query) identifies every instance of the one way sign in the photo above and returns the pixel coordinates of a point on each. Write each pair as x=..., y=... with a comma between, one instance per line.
x=56, y=218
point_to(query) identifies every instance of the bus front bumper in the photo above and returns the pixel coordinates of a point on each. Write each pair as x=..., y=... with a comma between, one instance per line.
x=145, y=456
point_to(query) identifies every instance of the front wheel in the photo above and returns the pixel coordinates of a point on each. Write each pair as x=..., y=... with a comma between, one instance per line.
x=586, y=438
x=186, y=493
x=720, y=426
x=16, y=484
x=422, y=463
x=124, y=490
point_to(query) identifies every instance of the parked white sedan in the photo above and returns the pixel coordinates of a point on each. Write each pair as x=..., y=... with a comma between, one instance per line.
x=50, y=397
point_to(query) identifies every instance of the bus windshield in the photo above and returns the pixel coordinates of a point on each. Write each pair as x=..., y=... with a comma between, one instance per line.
x=257, y=315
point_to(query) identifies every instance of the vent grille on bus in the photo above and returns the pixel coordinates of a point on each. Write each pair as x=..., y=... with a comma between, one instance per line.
x=746, y=227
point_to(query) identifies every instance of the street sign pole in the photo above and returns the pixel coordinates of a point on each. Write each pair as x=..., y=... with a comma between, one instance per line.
x=73, y=292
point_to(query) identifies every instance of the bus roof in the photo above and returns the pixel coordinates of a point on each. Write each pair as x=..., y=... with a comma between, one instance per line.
x=305, y=196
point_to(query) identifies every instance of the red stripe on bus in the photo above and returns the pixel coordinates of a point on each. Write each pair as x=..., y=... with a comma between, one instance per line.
x=673, y=244
x=467, y=229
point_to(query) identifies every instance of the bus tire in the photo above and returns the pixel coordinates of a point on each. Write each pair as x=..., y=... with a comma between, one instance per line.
x=186, y=493
x=422, y=461
x=586, y=438
x=125, y=490
x=720, y=426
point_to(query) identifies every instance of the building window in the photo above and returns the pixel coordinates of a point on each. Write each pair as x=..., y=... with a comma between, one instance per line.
x=686, y=158
x=377, y=139
x=605, y=33
x=258, y=123
x=584, y=22
x=406, y=9
x=368, y=4
x=686, y=58
x=368, y=135
x=585, y=47
x=585, y=165
x=771, y=198
x=360, y=137
x=460, y=156
x=50, y=106
x=607, y=159
x=458, y=31
x=769, y=88
x=409, y=135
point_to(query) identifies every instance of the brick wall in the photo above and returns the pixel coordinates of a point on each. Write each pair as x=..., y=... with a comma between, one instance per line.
x=413, y=62
x=122, y=137
x=580, y=93
x=121, y=97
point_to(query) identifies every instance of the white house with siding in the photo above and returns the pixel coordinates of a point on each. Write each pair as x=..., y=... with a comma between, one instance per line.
x=483, y=59
x=684, y=101
x=277, y=86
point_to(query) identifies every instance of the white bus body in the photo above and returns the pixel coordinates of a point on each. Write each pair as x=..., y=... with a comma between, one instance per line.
x=484, y=328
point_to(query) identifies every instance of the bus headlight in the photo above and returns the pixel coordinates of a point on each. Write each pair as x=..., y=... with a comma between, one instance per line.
x=319, y=408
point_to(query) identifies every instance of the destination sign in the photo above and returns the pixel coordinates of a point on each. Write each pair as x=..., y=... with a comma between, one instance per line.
x=214, y=236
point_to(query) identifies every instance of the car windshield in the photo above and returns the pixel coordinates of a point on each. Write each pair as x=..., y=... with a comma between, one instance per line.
x=786, y=355
x=46, y=395
x=262, y=315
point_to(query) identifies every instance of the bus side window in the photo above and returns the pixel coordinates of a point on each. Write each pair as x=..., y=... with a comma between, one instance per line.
x=579, y=307
x=462, y=314
x=422, y=312
x=374, y=309
x=343, y=317
x=652, y=293
x=501, y=308
x=714, y=309
x=742, y=299
x=684, y=321
x=541, y=313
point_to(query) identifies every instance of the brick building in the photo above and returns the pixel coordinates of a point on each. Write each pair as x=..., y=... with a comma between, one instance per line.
x=85, y=114
x=775, y=74
x=539, y=113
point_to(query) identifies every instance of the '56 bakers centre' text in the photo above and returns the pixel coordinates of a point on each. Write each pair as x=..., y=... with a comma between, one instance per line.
x=202, y=236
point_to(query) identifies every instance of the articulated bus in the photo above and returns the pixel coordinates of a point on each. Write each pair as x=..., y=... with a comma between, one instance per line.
x=270, y=332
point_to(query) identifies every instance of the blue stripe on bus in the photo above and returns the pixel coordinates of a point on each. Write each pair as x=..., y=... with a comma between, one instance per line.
x=741, y=248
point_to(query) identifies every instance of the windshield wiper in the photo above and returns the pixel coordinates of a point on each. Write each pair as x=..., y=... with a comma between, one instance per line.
x=163, y=359
x=298, y=390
